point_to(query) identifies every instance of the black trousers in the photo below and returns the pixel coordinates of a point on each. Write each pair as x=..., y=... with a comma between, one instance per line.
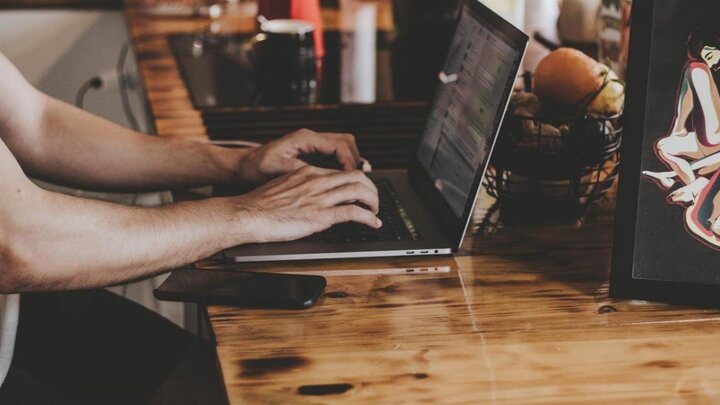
x=94, y=347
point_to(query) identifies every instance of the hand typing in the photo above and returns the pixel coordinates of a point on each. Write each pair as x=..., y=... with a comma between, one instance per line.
x=307, y=201
x=283, y=155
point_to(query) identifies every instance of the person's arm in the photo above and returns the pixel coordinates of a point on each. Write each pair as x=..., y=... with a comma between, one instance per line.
x=57, y=142
x=706, y=90
x=50, y=241
x=684, y=108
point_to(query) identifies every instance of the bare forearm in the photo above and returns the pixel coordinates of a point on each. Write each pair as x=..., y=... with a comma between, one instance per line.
x=62, y=242
x=75, y=148
x=685, y=106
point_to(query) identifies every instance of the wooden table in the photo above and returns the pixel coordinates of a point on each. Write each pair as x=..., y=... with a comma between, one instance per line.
x=519, y=316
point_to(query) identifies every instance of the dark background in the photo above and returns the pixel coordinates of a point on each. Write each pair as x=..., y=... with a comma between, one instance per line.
x=665, y=250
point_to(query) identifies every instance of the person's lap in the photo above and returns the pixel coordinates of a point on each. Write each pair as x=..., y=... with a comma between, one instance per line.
x=96, y=347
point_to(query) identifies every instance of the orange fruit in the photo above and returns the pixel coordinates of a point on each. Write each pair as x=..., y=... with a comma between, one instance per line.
x=567, y=78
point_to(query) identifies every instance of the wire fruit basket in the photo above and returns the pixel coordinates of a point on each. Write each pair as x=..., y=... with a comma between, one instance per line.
x=552, y=171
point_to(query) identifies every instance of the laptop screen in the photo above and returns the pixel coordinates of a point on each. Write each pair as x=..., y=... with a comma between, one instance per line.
x=477, y=79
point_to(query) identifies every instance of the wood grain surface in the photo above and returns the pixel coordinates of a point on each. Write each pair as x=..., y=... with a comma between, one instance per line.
x=168, y=100
x=521, y=315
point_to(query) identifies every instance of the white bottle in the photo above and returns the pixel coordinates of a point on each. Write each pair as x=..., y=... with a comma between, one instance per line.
x=358, y=21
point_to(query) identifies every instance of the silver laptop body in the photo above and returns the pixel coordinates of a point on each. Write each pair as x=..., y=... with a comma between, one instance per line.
x=439, y=190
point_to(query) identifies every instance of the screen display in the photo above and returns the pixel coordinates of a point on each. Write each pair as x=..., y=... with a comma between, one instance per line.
x=468, y=108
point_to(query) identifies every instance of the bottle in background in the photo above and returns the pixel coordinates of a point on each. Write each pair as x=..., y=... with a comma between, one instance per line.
x=358, y=66
x=614, y=34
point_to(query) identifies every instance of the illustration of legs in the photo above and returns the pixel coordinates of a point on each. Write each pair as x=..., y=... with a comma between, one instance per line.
x=715, y=218
x=706, y=211
x=674, y=151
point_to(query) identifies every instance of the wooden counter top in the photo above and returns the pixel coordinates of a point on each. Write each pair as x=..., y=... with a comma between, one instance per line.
x=524, y=318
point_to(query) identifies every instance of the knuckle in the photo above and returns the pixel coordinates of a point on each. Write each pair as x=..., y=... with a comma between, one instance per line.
x=355, y=212
x=357, y=175
x=342, y=193
x=306, y=170
x=341, y=214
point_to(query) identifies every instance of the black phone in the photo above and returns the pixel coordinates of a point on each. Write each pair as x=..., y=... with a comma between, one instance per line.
x=242, y=289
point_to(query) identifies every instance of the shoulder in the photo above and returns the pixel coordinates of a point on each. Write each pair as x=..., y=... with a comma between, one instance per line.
x=695, y=65
x=698, y=72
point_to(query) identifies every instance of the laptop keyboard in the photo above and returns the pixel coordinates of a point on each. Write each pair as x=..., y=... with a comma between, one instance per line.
x=397, y=225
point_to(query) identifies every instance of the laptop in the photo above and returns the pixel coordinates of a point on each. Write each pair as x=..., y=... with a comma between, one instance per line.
x=426, y=209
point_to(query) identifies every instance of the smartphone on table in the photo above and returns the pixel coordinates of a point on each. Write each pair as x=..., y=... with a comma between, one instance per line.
x=242, y=289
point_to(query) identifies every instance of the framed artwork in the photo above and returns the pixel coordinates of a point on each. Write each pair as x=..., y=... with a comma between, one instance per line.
x=667, y=231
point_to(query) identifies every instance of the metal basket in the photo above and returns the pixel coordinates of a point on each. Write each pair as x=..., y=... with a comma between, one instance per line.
x=552, y=171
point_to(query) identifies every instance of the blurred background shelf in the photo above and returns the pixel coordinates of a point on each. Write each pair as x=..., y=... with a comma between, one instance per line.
x=221, y=83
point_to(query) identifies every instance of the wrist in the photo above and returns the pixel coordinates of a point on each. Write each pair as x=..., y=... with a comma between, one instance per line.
x=240, y=220
x=230, y=163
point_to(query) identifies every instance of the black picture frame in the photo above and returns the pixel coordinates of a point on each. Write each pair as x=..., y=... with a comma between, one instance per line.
x=623, y=283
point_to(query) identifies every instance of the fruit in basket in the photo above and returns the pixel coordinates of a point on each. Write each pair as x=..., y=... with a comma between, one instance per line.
x=525, y=104
x=561, y=152
x=526, y=108
x=533, y=132
x=611, y=99
x=567, y=77
x=567, y=81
